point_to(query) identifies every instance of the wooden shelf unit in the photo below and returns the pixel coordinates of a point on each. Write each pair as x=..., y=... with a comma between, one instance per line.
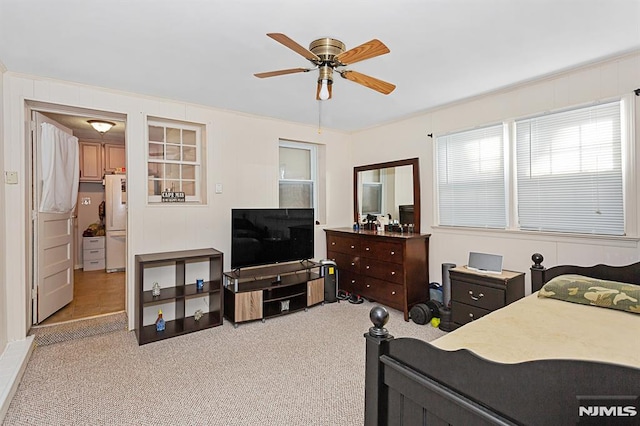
x=270, y=291
x=179, y=294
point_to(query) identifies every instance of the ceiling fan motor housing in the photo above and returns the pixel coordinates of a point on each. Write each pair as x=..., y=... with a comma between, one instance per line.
x=327, y=49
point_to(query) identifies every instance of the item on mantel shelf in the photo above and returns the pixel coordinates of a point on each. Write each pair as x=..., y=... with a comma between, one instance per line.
x=160, y=321
x=155, y=291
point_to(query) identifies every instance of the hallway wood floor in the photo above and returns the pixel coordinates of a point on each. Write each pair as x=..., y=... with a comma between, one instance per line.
x=94, y=293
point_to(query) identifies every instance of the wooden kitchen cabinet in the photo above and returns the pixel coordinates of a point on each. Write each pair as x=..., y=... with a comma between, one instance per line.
x=91, y=169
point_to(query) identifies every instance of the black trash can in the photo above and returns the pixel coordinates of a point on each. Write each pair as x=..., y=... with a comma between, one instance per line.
x=329, y=271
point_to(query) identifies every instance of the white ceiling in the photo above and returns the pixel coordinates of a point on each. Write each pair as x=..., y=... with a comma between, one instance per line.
x=206, y=51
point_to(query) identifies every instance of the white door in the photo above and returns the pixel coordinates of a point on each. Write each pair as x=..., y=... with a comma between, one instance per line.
x=53, y=240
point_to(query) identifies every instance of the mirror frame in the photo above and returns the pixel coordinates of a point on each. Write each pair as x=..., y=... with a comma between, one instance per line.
x=416, y=186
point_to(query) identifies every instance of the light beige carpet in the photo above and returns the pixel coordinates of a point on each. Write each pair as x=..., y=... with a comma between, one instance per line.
x=306, y=368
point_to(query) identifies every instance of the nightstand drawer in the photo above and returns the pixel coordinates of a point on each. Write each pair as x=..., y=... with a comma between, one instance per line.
x=462, y=313
x=477, y=295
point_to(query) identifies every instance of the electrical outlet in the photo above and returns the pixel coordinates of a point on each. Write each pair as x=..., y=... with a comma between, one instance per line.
x=86, y=201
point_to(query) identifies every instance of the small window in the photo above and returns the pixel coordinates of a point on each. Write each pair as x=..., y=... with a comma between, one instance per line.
x=174, y=160
x=297, y=175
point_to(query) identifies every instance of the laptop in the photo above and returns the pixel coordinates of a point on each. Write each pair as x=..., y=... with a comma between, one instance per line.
x=483, y=262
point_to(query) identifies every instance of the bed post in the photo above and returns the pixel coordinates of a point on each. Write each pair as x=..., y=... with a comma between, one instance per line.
x=377, y=342
x=537, y=272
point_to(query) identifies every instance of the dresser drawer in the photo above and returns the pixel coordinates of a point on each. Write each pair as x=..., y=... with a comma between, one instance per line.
x=382, y=250
x=382, y=270
x=381, y=291
x=95, y=254
x=349, y=281
x=477, y=295
x=93, y=265
x=345, y=262
x=461, y=313
x=347, y=245
x=92, y=243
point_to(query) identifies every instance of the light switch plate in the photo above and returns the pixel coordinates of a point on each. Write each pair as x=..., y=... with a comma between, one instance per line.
x=11, y=177
x=86, y=201
x=218, y=188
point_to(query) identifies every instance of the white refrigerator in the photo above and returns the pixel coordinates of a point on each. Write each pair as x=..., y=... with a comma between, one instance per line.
x=116, y=222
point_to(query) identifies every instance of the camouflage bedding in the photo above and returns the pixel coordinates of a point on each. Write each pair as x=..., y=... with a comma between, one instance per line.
x=592, y=291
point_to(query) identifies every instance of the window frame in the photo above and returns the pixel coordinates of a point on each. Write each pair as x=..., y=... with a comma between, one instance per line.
x=313, y=170
x=629, y=105
x=199, y=196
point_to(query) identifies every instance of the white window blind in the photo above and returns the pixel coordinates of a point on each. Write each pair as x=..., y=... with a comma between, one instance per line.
x=569, y=171
x=471, y=178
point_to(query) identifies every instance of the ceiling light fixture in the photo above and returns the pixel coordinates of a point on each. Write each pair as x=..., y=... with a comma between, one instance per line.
x=101, y=126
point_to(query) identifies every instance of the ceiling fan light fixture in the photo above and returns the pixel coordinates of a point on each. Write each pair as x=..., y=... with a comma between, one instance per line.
x=101, y=126
x=324, y=90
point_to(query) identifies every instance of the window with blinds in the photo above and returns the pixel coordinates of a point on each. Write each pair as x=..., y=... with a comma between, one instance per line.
x=569, y=171
x=471, y=178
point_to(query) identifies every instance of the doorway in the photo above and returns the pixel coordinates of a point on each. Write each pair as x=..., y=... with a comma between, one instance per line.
x=95, y=291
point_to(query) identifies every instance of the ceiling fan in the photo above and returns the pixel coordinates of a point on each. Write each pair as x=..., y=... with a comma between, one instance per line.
x=328, y=55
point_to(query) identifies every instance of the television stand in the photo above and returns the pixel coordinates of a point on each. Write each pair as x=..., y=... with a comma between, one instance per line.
x=271, y=290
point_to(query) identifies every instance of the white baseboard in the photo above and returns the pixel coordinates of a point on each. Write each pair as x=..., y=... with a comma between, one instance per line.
x=13, y=362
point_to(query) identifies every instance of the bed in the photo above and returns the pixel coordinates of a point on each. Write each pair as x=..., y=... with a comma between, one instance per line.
x=539, y=360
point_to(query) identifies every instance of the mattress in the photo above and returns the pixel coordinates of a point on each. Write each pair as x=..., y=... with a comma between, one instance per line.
x=535, y=328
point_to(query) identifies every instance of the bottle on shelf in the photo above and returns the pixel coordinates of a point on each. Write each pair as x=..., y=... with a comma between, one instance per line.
x=160, y=321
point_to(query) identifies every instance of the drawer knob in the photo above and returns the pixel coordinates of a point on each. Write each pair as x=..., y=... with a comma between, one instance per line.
x=367, y=267
x=393, y=272
x=333, y=243
x=367, y=249
x=393, y=293
x=471, y=316
x=353, y=281
x=480, y=296
x=353, y=264
x=368, y=285
x=352, y=247
x=392, y=253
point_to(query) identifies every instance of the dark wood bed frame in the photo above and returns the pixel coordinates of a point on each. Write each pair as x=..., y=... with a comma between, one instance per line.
x=410, y=382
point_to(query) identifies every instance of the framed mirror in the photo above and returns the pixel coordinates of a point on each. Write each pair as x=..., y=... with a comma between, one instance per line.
x=391, y=188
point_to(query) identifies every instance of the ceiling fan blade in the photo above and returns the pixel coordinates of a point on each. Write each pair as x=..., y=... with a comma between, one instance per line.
x=367, y=50
x=283, y=39
x=281, y=72
x=368, y=81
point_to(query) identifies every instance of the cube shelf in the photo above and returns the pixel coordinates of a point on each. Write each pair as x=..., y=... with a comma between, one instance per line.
x=179, y=294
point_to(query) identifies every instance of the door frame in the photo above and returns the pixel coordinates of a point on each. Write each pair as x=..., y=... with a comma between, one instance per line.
x=31, y=106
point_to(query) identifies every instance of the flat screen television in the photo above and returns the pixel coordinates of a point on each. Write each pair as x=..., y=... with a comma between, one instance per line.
x=264, y=236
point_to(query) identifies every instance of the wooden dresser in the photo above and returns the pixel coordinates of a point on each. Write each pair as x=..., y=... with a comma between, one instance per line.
x=475, y=294
x=386, y=267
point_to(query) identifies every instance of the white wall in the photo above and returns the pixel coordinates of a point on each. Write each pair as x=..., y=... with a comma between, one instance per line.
x=408, y=138
x=241, y=153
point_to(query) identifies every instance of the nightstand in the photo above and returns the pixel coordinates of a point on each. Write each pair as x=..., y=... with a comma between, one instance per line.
x=475, y=294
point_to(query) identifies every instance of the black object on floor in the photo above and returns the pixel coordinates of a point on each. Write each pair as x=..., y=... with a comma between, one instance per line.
x=356, y=299
x=343, y=295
